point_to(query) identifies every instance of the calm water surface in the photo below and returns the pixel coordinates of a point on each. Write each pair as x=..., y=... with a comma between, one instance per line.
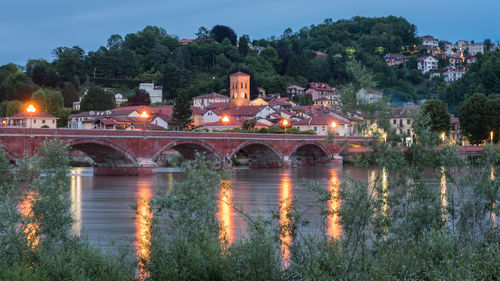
x=101, y=205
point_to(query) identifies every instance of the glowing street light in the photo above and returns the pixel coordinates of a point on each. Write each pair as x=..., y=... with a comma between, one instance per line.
x=225, y=119
x=285, y=123
x=31, y=109
x=144, y=114
x=443, y=136
x=491, y=136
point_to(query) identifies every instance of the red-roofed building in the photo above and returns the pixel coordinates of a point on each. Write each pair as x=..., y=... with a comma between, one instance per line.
x=320, y=54
x=31, y=120
x=318, y=90
x=321, y=124
x=293, y=90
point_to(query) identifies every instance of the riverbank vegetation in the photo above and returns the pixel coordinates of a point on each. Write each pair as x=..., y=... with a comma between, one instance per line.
x=397, y=225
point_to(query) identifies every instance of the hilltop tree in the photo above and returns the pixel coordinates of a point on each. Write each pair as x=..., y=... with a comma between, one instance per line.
x=141, y=97
x=97, y=99
x=219, y=32
x=182, y=109
x=243, y=45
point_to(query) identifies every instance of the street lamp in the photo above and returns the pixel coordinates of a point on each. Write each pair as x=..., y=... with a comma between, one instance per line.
x=31, y=109
x=285, y=124
x=144, y=115
x=491, y=136
x=443, y=136
x=333, y=125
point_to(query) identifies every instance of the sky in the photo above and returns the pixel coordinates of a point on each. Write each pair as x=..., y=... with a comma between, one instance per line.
x=31, y=29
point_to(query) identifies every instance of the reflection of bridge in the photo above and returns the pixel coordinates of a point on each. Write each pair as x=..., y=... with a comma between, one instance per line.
x=136, y=152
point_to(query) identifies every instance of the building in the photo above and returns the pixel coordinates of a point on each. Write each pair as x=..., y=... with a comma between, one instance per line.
x=456, y=60
x=239, y=84
x=452, y=75
x=401, y=120
x=155, y=91
x=368, y=96
x=258, y=102
x=430, y=42
x=206, y=100
x=395, y=59
x=330, y=101
x=318, y=90
x=119, y=98
x=426, y=64
x=31, y=120
x=294, y=90
x=321, y=124
x=463, y=46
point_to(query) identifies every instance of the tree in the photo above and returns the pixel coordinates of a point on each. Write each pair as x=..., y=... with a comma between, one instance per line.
x=98, y=99
x=439, y=118
x=219, y=32
x=8, y=108
x=473, y=120
x=202, y=34
x=49, y=101
x=243, y=45
x=69, y=61
x=141, y=97
x=70, y=94
x=182, y=109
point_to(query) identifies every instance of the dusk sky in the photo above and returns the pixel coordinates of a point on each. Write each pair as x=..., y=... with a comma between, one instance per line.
x=33, y=28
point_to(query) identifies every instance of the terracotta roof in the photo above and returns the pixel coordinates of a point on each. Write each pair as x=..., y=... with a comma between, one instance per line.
x=323, y=119
x=424, y=58
x=219, y=105
x=320, y=54
x=403, y=112
x=36, y=114
x=212, y=96
x=320, y=86
x=295, y=87
x=197, y=111
x=107, y=121
x=244, y=110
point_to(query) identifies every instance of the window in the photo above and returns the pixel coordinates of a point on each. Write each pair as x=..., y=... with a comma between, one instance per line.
x=34, y=121
x=394, y=121
x=43, y=121
x=315, y=129
x=235, y=95
x=408, y=121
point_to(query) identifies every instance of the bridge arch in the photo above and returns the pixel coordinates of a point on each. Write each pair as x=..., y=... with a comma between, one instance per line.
x=188, y=149
x=309, y=154
x=103, y=152
x=261, y=154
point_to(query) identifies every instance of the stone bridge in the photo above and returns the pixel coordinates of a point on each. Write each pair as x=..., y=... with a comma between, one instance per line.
x=136, y=152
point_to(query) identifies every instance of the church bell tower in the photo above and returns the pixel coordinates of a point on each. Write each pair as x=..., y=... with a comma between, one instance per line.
x=239, y=89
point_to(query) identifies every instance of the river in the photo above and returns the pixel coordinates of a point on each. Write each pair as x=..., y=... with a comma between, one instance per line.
x=101, y=205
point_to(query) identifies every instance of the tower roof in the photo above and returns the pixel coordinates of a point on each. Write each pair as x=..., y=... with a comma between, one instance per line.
x=239, y=73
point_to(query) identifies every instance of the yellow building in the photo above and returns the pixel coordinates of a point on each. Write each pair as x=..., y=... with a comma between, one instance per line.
x=258, y=102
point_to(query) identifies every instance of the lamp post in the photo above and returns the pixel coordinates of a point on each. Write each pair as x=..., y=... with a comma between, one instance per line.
x=285, y=124
x=31, y=109
x=144, y=115
x=443, y=136
x=491, y=136
x=333, y=125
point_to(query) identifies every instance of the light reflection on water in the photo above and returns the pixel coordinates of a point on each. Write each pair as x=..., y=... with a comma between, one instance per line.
x=334, y=229
x=286, y=199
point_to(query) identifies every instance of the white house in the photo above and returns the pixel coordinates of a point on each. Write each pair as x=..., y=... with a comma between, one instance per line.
x=322, y=124
x=31, y=120
x=119, y=98
x=155, y=91
x=430, y=42
x=206, y=100
x=426, y=64
x=452, y=75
